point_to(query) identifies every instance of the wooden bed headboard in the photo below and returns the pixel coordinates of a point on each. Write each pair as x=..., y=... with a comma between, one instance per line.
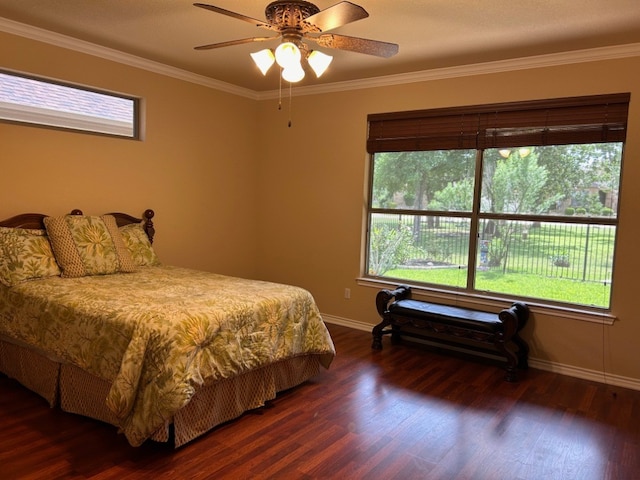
x=35, y=220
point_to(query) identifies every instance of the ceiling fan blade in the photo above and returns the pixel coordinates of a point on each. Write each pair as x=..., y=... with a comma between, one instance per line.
x=229, y=13
x=355, y=44
x=234, y=42
x=336, y=16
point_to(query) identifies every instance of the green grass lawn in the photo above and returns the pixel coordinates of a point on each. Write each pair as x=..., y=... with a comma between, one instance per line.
x=514, y=284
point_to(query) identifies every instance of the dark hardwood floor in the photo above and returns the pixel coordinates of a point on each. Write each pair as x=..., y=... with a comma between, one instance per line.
x=401, y=413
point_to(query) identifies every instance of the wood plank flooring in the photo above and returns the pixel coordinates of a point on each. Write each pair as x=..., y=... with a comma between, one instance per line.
x=402, y=413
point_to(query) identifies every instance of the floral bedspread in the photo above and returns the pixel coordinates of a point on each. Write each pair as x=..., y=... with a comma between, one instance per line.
x=160, y=332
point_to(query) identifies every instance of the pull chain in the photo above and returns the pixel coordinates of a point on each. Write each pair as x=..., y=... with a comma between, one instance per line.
x=290, y=102
x=280, y=91
x=280, y=98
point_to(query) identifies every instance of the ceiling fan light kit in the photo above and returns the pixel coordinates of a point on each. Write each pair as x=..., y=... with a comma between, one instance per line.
x=289, y=57
x=298, y=20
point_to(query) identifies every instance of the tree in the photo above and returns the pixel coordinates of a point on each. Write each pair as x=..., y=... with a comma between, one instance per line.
x=517, y=186
x=575, y=168
x=419, y=175
x=456, y=196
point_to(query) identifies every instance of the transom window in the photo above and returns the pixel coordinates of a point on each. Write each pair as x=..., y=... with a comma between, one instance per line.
x=47, y=103
x=517, y=199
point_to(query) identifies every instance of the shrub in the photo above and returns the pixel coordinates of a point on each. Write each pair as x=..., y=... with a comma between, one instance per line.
x=569, y=211
x=390, y=246
x=439, y=249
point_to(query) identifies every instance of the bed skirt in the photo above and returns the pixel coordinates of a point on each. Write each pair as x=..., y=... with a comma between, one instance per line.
x=77, y=391
x=32, y=369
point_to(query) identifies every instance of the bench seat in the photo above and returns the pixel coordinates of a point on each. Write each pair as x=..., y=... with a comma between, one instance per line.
x=446, y=315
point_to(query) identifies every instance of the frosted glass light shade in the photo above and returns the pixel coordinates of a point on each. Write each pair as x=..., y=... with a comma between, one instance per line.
x=288, y=55
x=319, y=62
x=264, y=59
x=293, y=74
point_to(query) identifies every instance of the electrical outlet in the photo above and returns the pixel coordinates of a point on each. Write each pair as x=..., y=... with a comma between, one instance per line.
x=347, y=293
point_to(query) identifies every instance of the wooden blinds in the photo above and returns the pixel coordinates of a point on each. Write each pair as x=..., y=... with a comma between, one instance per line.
x=592, y=119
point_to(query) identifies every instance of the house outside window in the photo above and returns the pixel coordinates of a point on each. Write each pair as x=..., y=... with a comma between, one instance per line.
x=508, y=200
x=35, y=101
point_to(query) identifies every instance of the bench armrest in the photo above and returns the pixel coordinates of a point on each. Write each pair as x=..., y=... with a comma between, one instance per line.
x=514, y=318
x=385, y=297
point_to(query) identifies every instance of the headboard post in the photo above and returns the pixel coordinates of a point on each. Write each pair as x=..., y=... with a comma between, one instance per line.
x=148, y=224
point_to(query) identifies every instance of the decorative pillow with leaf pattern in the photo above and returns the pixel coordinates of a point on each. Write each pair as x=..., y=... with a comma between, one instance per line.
x=88, y=245
x=138, y=244
x=25, y=254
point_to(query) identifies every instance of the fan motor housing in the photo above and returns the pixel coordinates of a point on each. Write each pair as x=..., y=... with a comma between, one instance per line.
x=290, y=15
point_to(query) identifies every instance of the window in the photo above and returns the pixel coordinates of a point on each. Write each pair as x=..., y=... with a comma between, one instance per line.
x=43, y=102
x=517, y=199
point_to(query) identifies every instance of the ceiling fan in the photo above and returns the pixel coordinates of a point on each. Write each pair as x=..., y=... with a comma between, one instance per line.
x=294, y=21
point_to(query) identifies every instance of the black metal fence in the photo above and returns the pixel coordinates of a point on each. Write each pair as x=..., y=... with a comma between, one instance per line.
x=581, y=252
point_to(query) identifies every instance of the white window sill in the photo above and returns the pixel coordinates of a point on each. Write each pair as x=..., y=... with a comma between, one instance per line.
x=481, y=302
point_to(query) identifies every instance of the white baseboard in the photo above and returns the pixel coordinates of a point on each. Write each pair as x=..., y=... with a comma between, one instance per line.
x=540, y=364
x=345, y=322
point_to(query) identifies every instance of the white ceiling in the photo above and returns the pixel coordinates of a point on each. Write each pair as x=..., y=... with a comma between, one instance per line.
x=431, y=33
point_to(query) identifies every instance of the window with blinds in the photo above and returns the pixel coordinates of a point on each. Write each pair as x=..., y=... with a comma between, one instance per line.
x=516, y=200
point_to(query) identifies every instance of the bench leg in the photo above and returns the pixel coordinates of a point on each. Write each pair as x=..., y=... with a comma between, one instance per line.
x=395, y=334
x=512, y=374
x=512, y=362
x=523, y=351
x=377, y=333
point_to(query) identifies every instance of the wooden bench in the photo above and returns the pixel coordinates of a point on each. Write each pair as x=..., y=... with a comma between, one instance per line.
x=472, y=330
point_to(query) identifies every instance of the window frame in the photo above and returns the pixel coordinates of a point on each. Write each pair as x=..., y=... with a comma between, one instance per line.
x=60, y=119
x=476, y=127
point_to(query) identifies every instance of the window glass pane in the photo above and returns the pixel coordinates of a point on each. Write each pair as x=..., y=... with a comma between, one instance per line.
x=430, y=180
x=42, y=102
x=552, y=180
x=426, y=249
x=563, y=262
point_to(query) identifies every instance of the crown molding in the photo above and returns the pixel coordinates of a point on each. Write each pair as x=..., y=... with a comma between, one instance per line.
x=539, y=61
x=523, y=63
x=64, y=41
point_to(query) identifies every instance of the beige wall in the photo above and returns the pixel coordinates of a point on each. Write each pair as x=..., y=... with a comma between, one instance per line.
x=314, y=180
x=238, y=192
x=195, y=166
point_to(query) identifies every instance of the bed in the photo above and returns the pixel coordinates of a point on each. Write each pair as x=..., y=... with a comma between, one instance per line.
x=92, y=321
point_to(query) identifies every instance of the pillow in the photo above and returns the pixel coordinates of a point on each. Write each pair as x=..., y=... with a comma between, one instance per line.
x=87, y=245
x=25, y=254
x=138, y=244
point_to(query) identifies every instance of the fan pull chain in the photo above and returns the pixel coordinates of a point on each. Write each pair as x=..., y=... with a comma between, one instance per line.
x=290, y=102
x=280, y=91
x=280, y=98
